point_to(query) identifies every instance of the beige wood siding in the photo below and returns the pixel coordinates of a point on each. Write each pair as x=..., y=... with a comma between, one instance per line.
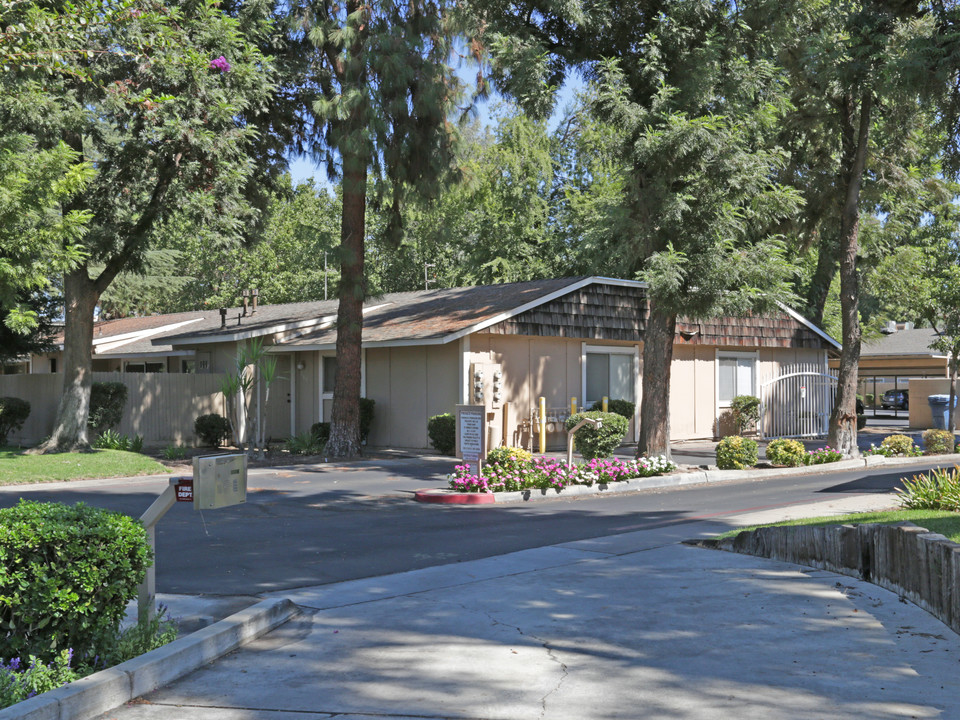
x=409, y=385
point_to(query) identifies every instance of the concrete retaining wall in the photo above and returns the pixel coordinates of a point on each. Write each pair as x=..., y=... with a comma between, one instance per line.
x=919, y=565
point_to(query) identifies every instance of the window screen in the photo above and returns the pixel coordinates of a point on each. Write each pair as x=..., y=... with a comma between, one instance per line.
x=736, y=378
x=611, y=375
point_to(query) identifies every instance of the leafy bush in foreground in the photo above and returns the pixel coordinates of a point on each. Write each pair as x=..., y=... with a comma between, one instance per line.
x=66, y=574
x=938, y=489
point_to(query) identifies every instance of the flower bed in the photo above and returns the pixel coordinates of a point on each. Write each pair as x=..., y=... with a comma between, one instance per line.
x=543, y=473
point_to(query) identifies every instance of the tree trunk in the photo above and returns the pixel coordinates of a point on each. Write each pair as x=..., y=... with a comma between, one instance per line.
x=843, y=419
x=345, y=422
x=658, y=339
x=951, y=411
x=70, y=431
x=819, y=289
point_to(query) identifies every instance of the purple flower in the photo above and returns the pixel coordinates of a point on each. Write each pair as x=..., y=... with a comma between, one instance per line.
x=220, y=64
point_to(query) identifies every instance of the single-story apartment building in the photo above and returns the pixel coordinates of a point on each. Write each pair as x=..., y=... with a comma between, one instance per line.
x=569, y=340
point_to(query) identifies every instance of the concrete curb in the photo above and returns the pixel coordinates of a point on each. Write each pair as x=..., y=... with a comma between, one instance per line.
x=449, y=497
x=110, y=688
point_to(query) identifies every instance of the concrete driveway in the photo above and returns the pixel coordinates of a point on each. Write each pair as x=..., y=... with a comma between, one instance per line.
x=635, y=625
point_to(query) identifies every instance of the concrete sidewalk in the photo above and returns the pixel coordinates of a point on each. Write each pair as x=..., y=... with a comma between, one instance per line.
x=627, y=626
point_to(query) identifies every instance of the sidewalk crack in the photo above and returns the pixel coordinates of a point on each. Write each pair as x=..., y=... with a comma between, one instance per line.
x=545, y=644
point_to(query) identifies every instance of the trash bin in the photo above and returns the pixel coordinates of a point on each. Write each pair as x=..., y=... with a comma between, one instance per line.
x=940, y=409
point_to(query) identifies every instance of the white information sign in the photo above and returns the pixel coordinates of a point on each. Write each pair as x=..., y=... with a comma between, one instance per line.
x=219, y=481
x=471, y=432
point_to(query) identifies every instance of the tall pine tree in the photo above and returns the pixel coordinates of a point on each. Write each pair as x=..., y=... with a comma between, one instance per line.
x=380, y=92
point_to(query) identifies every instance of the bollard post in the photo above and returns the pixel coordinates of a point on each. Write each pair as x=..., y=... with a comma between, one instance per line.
x=543, y=425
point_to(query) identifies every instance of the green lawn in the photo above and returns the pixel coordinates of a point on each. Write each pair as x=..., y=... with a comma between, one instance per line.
x=939, y=521
x=17, y=468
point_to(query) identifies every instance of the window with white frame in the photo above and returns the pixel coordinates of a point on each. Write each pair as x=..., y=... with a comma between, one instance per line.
x=609, y=373
x=736, y=375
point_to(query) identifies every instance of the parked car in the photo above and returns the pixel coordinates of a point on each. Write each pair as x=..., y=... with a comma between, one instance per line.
x=895, y=400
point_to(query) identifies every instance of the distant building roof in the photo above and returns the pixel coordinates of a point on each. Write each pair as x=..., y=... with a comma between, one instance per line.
x=915, y=341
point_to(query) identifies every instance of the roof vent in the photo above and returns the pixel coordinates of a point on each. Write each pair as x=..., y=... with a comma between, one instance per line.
x=223, y=318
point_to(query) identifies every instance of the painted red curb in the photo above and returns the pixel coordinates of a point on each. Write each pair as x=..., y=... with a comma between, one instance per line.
x=448, y=498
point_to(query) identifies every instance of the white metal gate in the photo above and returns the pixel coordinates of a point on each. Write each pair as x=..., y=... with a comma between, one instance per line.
x=797, y=405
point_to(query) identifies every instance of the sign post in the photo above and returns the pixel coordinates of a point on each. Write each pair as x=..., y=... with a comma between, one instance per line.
x=471, y=434
x=218, y=481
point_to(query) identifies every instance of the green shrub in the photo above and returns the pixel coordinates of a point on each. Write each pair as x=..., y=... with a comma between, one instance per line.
x=111, y=440
x=366, y=417
x=745, y=410
x=212, y=429
x=737, y=453
x=106, y=405
x=13, y=414
x=787, y=452
x=306, y=443
x=623, y=408
x=138, y=639
x=441, y=429
x=174, y=452
x=22, y=679
x=508, y=456
x=938, y=489
x=593, y=442
x=66, y=574
x=869, y=398
x=320, y=431
x=899, y=445
x=938, y=442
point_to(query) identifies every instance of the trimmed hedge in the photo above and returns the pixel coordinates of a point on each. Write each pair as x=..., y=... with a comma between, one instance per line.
x=737, y=453
x=592, y=442
x=66, y=574
x=212, y=429
x=938, y=442
x=441, y=429
x=13, y=414
x=107, y=400
x=784, y=451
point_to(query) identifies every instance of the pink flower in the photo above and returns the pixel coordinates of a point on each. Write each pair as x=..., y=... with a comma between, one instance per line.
x=220, y=64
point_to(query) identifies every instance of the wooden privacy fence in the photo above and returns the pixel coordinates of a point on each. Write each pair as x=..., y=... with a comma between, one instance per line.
x=161, y=407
